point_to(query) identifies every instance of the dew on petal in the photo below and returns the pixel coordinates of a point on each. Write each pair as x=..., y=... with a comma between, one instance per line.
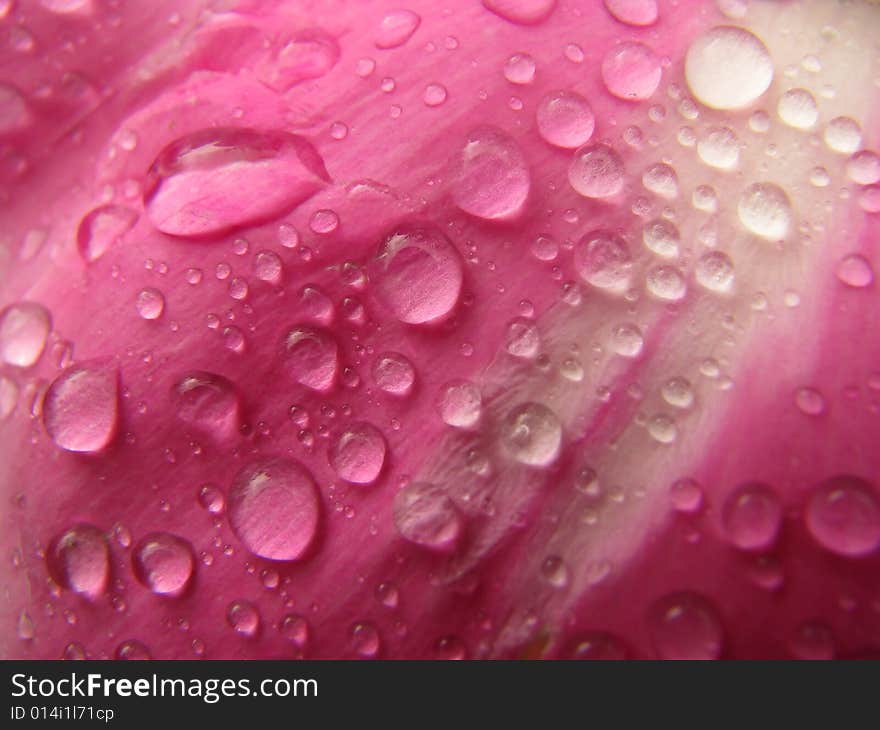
x=685, y=626
x=520, y=69
x=426, y=516
x=631, y=71
x=565, y=119
x=365, y=640
x=80, y=409
x=435, y=95
x=596, y=171
x=678, y=392
x=626, y=340
x=532, y=434
x=599, y=645
x=268, y=267
x=809, y=401
x=662, y=237
x=522, y=339
x=863, y=168
x=843, y=516
x=24, y=328
x=666, y=283
x=132, y=650
x=357, y=454
x=308, y=54
x=661, y=180
x=686, y=496
x=79, y=560
x=164, y=563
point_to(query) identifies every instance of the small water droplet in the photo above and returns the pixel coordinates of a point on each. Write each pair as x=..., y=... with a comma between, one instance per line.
x=863, y=168
x=855, y=271
x=661, y=237
x=666, y=283
x=599, y=645
x=843, y=135
x=633, y=12
x=209, y=403
x=809, y=401
x=686, y=496
x=565, y=119
x=132, y=650
x=661, y=180
x=164, y=563
x=295, y=629
x=244, y=618
x=603, y=260
x=797, y=108
x=714, y=271
x=555, y=572
x=520, y=69
x=522, y=339
x=626, y=340
x=521, y=12
x=719, y=148
x=310, y=356
x=365, y=640
x=435, y=95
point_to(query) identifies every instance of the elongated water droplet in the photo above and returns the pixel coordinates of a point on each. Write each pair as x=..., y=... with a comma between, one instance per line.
x=164, y=563
x=79, y=560
x=102, y=228
x=522, y=339
x=426, y=516
x=80, y=409
x=295, y=629
x=596, y=171
x=532, y=434
x=565, y=119
x=274, y=508
x=396, y=28
x=365, y=640
x=215, y=180
x=685, y=626
x=310, y=356
x=357, y=454
x=843, y=516
x=24, y=328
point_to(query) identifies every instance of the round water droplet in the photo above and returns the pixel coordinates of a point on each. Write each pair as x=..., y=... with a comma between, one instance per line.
x=843, y=516
x=719, y=148
x=417, y=274
x=79, y=560
x=396, y=28
x=678, y=392
x=244, y=618
x=532, y=434
x=207, y=402
x=164, y=563
x=435, y=95
x=491, y=180
x=662, y=237
x=365, y=640
x=714, y=271
x=24, y=328
x=190, y=184
x=596, y=171
x=685, y=626
x=855, y=271
x=666, y=283
x=662, y=429
x=728, y=68
x=661, y=180
x=295, y=629
x=394, y=374
x=520, y=69
x=81, y=406
x=752, y=515
x=797, y=108
x=358, y=453
x=522, y=339
x=102, y=229
x=274, y=508
x=603, y=260
x=310, y=356
x=764, y=209
x=626, y=340
x=633, y=12
x=460, y=404
x=426, y=516
x=686, y=496
x=132, y=650
x=863, y=167
x=565, y=119
x=631, y=71
x=843, y=135
x=521, y=12
x=268, y=267
x=809, y=401
x=150, y=303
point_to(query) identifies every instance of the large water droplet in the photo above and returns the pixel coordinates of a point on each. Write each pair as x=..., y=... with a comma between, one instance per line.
x=492, y=179
x=358, y=453
x=102, y=228
x=460, y=404
x=417, y=274
x=274, y=508
x=843, y=516
x=565, y=119
x=521, y=12
x=685, y=626
x=633, y=12
x=751, y=516
x=728, y=68
x=394, y=373
x=532, y=434
x=596, y=171
x=244, y=618
x=396, y=28
x=764, y=209
x=310, y=355
x=603, y=260
x=207, y=402
x=215, y=180
x=631, y=71
x=164, y=563
x=79, y=560
x=80, y=409
x=426, y=516
x=24, y=328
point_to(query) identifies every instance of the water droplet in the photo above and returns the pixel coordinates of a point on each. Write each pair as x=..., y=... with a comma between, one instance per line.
x=855, y=271
x=686, y=496
x=521, y=12
x=863, y=168
x=396, y=28
x=460, y=404
x=426, y=516
x=661, y=180
x=532, y=434
x=274, y=508
x=79, y=560
x=843, y=135
x=678, y=392
x=132, y=650
x=295, y=629
x=164, y=563
x=520, y=69
x=685, y=626
x=74, y=652
x=626, y=340
x=714, y=271
x=599, y=645
x=719, y=148
x=190, y=185
x=365, y=640
x=491, y=179
x=603, y=260
x=310, y=356
x=150, y=303
x=728, y=68
x=80, y=407
x=102, y=229
x=812, y=640
x=662, y=429
x=809, y=401
x=268, y=267
x=309, y=54
x=661, y=237
x=631, y=71
x=207, y=402
x=843, y=516
x=24, y=328
x=417, y=274
x=752, y=515
x=394, y=374
x=388, y=595
x=522, y=338
x=633, y=12
x=358, y=453
x=212, y=499
x=764, y=209
x=565, y=119
x=555, y=572
x=797, y=108
x=596, y=171
x=666, y=283
x=435, y=95
x=244, y=618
